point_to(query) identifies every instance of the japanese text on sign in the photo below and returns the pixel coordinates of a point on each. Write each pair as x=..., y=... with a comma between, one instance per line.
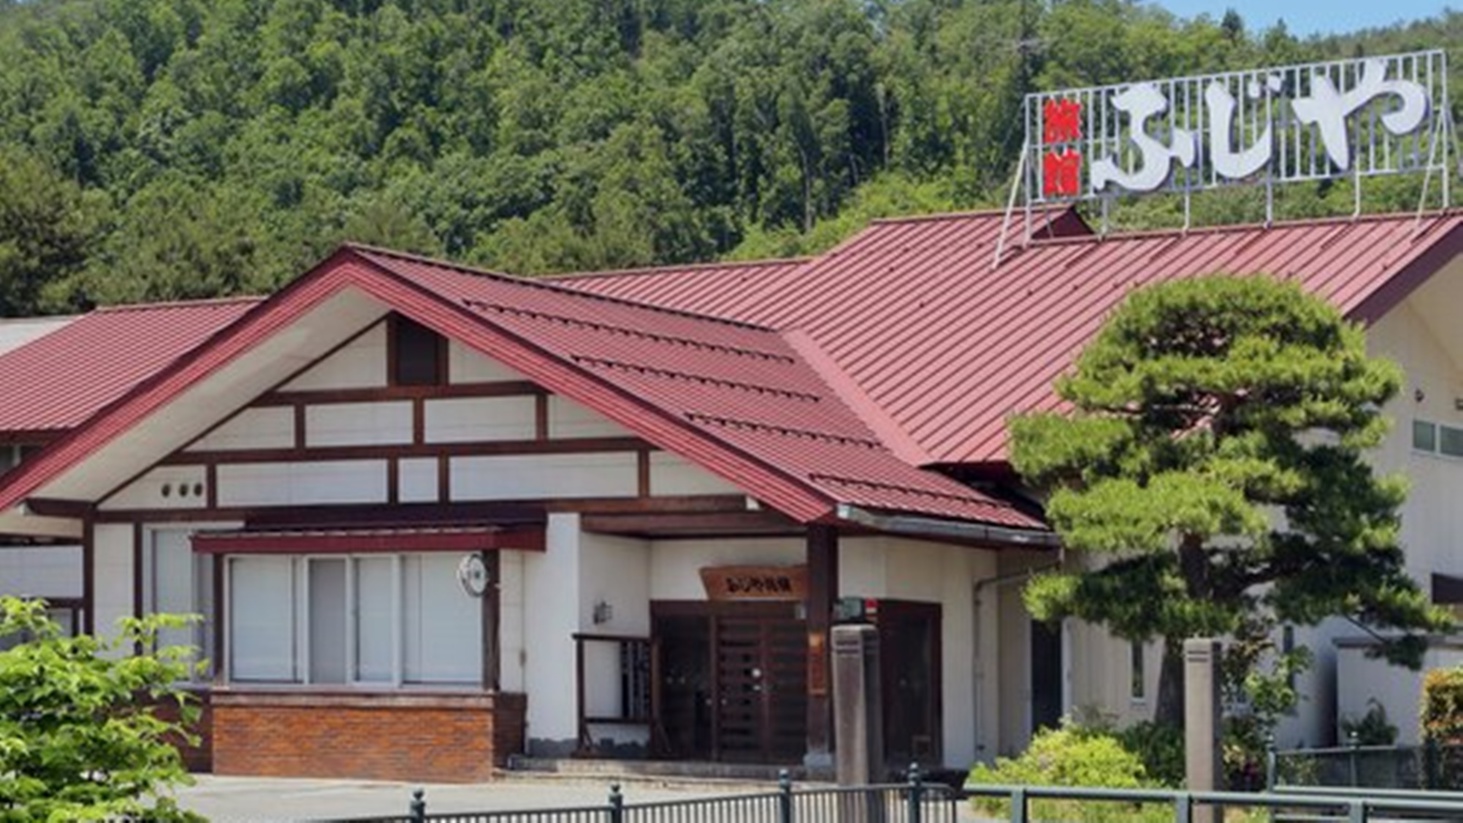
x=1368, y=116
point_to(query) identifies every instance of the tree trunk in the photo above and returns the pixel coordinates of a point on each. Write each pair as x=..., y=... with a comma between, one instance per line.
x=1194, y=566
x=1170, y=708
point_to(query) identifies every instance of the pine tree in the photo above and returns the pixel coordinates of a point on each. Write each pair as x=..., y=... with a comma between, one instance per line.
x=1211, y=467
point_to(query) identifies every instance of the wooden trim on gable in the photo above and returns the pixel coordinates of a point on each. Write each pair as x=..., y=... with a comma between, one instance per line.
x=356, y=514
x=485, y=448
x=316, y=397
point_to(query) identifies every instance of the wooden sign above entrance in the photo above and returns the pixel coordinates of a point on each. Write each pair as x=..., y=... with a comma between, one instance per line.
x=755, y=582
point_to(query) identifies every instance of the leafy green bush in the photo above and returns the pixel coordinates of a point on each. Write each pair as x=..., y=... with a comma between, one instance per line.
x=80, y=737
x=1160, y=747
x=1072, y=756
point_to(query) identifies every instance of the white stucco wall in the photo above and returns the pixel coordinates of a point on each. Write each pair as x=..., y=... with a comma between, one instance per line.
x=40, y=571
x=113, y=552
x=615, y=572
x=551, y=594
x=1398, y=690
x=359, y=364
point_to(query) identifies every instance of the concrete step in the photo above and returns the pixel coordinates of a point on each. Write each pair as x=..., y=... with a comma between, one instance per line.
x=688, y=774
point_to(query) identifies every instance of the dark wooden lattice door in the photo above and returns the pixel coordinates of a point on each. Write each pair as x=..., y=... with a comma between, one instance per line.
x=761, y=673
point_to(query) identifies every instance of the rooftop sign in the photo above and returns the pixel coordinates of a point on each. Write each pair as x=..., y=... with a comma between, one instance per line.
x=1363, y=117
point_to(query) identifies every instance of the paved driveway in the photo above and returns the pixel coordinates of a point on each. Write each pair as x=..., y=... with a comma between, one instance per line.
x=240, y=799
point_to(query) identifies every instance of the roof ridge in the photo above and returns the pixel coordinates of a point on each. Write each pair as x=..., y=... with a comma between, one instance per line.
x=178, y=304
x=765, y=262
x=544, y=283
x=616, y=328
x=1229, y=228
x=993, y=211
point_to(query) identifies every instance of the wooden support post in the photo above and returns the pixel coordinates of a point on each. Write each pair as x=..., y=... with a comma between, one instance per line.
x=89, y=573
x=492, y=619
x=822, y=557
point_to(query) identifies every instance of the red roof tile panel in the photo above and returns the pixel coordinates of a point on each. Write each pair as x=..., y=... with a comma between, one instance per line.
x=88, y=363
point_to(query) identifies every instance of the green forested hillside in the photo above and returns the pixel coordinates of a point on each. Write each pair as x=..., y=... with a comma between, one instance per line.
x=153, y=149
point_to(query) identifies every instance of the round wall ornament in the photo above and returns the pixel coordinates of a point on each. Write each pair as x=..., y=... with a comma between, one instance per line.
x=472, y=573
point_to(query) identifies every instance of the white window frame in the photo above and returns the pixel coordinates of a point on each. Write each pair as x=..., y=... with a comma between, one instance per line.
x=300, y=565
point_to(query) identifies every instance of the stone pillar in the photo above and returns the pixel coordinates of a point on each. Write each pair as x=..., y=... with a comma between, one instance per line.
x=1203, y=761
x=858, y=705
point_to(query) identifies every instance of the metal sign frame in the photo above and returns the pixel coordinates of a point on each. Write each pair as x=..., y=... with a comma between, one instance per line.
x=1301, y=123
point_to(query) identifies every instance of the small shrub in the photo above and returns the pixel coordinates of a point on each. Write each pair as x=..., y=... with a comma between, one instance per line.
x=1442, y=706
x=1372, y=728
x=1072, y=756
x=1160, y=747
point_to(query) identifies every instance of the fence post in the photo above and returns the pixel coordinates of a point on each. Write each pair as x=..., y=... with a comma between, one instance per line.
x=1430, y=763
x=1356, y=813
x=1271, y=762
x=417, y=809
x=1353, y=742
x=617, y=804
x=916, y=792
x=784, y=796
x=1018, y=806
x=1183, y=808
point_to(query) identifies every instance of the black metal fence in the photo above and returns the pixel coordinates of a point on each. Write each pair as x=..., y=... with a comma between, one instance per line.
x=1429, y=766
x=913, y=801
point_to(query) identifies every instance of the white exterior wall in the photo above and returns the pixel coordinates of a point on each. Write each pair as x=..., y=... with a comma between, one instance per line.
x=40, y=571
x=358, y=364
x=113, y=553
x=259, y=428
x=1432, y=522
x=1361, y=680
x=551, y=592
x=614, y=571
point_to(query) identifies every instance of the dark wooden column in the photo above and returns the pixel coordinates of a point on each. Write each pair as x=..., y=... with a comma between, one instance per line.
x=822, y=555
x=89, y=572
x=492, y=620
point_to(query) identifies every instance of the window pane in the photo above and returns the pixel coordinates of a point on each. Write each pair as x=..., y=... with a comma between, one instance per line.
x=1450, y=441
x=327, y=621
x=262, y=618
x=441, y=625
x=373, y=619
x=172, y=583
x=1424, y=436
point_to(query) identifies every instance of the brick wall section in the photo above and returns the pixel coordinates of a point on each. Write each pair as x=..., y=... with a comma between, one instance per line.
x=197, y=758
x=419, y=737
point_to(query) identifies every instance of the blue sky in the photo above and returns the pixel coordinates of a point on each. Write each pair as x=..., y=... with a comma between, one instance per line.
x=1305, y=17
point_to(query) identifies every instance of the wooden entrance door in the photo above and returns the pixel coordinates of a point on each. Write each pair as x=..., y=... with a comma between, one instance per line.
x=909, y=662
x=753, y=705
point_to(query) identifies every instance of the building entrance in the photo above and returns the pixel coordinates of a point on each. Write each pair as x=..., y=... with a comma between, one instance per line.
x=733, y=680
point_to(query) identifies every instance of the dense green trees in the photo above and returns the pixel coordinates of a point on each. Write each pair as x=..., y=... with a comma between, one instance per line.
x=208, y=146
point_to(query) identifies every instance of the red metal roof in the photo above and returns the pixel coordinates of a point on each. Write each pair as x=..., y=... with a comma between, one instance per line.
x=739, y=386
x=946, y=347
x=83, y=365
